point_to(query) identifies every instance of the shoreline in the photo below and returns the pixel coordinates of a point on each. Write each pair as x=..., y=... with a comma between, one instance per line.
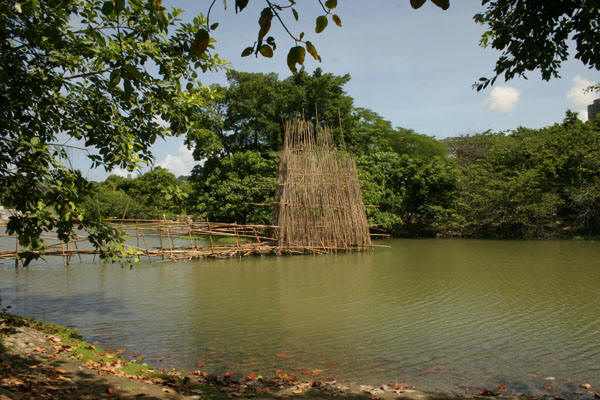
x=48, y=361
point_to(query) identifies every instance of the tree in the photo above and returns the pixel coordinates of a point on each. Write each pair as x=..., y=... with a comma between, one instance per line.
x=407, y=195
x=102, y=72
x=235, y=188
x=534, y=35
x=531, y=183
x=249, y=113
x=152, y=195
x=370, y=133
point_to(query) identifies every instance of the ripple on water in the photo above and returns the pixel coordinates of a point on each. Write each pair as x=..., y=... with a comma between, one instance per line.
x=435, y=313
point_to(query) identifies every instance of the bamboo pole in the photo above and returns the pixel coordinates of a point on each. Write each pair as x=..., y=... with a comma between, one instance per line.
x=16, y=252
x=161, y=241
x=210, y=235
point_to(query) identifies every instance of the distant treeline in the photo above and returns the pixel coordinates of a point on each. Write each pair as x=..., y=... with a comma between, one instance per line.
x=528, y=183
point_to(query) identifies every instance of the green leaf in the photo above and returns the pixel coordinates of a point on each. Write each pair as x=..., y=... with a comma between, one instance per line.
x=416, y=4
x=214, y=26
x=265, y=22
x=443, y=4
x=119, y=5
x=295, y=56
x=107, y=8
x=266, y=50
x=115, y=78
x=200, y=43
x=312, y=51
x=240, y=5
x=163, y=21
x=331, y=4
x=295, y=14
x=336, y=18
x=247, y=51
x=321, y=23
x=128, y=88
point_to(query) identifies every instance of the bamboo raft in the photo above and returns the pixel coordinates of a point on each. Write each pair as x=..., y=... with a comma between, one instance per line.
x=177, y=240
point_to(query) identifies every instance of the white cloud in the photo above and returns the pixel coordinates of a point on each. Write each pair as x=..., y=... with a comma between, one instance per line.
x=502, y=99
x=180, y=164
x=579, y=98
x=121, y=172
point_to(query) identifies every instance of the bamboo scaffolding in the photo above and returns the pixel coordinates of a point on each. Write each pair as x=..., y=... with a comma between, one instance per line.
x=318, y=203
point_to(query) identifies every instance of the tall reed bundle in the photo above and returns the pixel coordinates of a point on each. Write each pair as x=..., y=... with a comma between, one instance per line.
x=318, y=203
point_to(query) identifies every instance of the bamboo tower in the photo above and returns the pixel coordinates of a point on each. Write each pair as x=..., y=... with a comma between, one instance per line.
x=318, y=203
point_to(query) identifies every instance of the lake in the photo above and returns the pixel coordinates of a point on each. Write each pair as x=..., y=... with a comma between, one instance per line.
x=450, y=315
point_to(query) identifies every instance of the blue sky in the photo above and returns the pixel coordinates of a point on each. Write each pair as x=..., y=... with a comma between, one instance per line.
x=413, y=67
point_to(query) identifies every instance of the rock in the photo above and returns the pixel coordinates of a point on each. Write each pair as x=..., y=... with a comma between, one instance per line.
x=366, y=388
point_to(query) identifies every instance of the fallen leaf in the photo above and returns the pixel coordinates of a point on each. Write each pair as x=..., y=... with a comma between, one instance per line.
x=60, y=371
x=121, y=351
x=111, y=391
x=400, y=385
x=305, y=373
x=228, y=374
x=250, y=377
x=548, y=387
x=11, y=381
x=486, y=392
x=501, y=387
x=282, y=355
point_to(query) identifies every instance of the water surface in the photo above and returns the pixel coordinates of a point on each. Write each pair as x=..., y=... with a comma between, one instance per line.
x=449, y=315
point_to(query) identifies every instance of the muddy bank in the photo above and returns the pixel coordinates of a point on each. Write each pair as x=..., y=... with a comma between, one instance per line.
x=46, y=361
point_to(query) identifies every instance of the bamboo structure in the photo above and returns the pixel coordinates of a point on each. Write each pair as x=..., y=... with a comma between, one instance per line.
x=318, y=209
x=172, y=240
x=318, y=203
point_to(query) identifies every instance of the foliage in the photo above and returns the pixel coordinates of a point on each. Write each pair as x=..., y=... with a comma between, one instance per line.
x=249, y=113
x=152, y=195
x=233, y=188
x=532, y=183
x=101, y=72
x=406, y=195
x=536, y=35
x=369, y=133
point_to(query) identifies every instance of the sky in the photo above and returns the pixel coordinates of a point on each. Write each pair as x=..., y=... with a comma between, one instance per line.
x=413, y=67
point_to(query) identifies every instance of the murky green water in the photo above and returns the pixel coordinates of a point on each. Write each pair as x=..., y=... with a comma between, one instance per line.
x=439, y=314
